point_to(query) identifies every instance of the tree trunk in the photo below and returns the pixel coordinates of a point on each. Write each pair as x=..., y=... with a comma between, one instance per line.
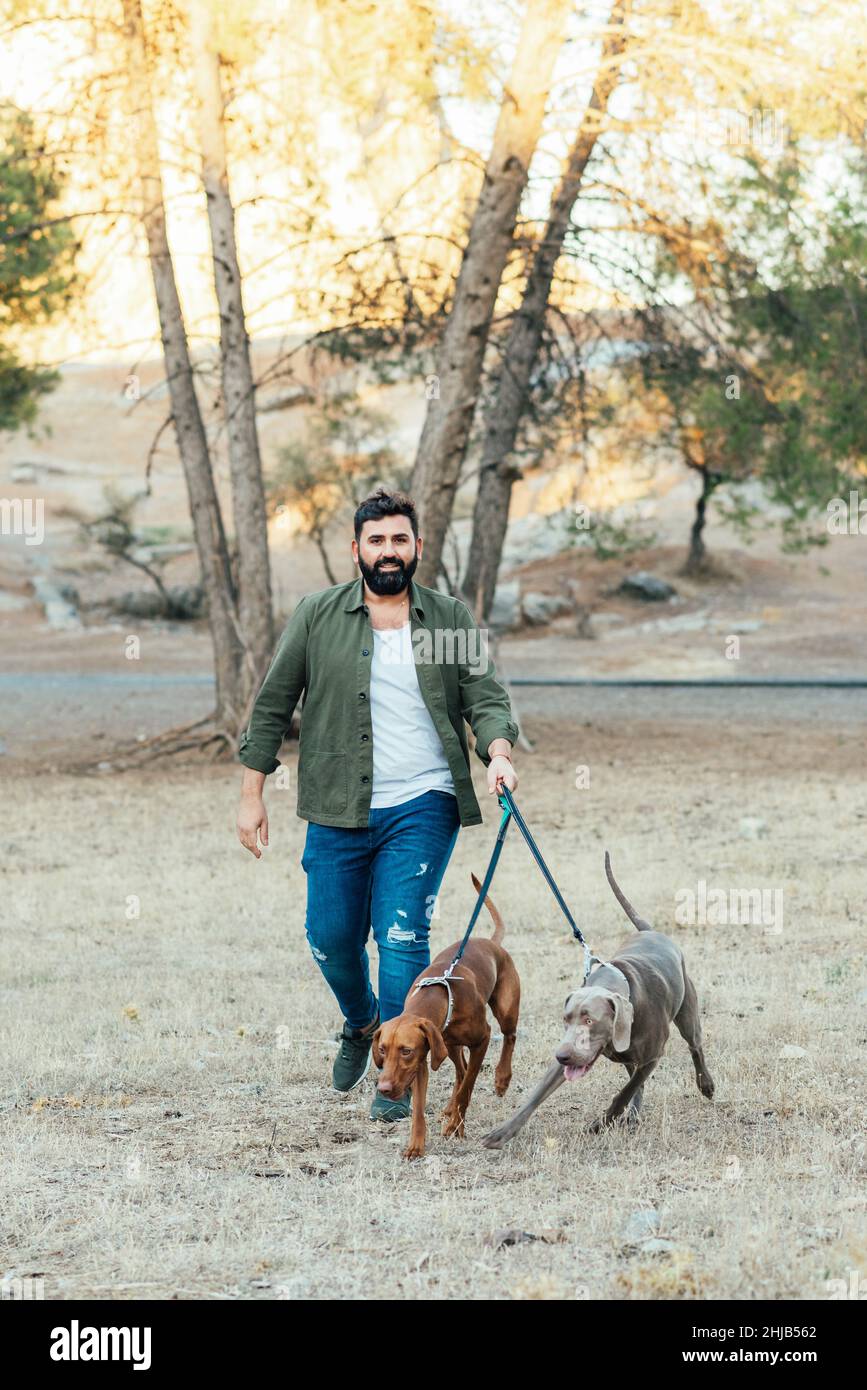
x=245, y=465
x=503, y=416
x=697, y=559
x=189, y=428
x=319, y=538
x=459, y=363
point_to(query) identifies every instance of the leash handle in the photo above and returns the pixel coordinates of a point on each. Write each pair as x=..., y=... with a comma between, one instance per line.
x=506, y=799
x=486, y=883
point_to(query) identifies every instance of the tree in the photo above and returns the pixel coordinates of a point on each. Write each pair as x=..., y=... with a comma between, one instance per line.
x=342, y=455
x=508, y=399
x=38, y=250
x=189, y=428
x=115, y=531
x=239, y=403
x=460, y=357
x=773, y=388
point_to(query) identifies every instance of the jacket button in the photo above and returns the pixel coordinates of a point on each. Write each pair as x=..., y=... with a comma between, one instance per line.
x=364, y=738
x=365, y=652
x=361, y=695
x=365, y=779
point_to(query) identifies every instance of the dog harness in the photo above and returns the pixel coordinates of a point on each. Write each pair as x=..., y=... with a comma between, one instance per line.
x=446, y=980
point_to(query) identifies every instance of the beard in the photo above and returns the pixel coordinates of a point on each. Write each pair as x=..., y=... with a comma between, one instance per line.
x=381, y=581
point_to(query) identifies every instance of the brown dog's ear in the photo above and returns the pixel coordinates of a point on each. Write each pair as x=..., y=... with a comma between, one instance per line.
x=438, y=1050
x=623, y=1014
x=376, y=1049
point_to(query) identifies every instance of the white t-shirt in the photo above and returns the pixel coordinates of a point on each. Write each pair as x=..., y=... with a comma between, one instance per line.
x=408, y=755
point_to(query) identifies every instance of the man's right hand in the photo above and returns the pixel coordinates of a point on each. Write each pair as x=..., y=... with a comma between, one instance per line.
x=252, y=822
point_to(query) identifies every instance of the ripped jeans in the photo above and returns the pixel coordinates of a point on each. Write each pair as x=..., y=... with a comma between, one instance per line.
x=385, y=877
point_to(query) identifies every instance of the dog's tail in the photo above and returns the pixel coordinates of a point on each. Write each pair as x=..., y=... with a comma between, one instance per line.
x=633, y=916
x=499, y=924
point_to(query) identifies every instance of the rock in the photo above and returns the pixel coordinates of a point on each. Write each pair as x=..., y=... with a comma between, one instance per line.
x=647, y=587
x=24, y=472
x=736, y=629
x=537, y=536
x=790, y=1050
x=658, y=1246
x=187, y=602
x=12, y=602
x=686, y=622
x=60, y=614
x=140, y=603
x=506, y=607
x=512, y=1236
x=752, y=828
x=538, y=609
x=641, y=1224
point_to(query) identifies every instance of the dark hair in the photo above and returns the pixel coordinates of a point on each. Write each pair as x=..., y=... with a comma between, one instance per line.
x=382, y=503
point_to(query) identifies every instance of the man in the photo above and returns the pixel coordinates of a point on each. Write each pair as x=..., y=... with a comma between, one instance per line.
x=389, y=670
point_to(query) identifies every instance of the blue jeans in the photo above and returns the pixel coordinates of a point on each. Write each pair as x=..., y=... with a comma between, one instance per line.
x=385, y=877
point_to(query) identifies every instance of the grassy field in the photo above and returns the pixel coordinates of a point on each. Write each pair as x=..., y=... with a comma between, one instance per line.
x=169, y=1125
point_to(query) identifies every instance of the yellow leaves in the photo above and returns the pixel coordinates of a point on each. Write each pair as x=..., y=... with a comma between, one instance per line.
x=131, y=1012
x=540, y=1286
x=70, y=1102
x=56, y=1102
x=667, y=1276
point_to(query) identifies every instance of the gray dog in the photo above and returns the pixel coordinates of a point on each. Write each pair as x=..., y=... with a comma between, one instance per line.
x=623, y=1012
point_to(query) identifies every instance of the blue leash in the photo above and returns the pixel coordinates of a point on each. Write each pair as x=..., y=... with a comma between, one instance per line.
x=510, y=811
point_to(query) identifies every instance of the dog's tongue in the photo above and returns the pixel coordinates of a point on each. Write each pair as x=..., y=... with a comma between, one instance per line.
x=575, y=1073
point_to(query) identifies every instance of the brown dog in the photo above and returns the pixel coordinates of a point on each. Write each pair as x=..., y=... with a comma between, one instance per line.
x=485, y=974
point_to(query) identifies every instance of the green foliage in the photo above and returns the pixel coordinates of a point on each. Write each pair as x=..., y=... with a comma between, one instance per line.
x=609, y=539
x=344, y=452
x=37, y=255
x=20, y=389
x=775, y=390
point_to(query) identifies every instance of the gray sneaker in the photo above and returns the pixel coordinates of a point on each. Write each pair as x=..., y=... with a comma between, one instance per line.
x=388, y=1110
x=352, y=1062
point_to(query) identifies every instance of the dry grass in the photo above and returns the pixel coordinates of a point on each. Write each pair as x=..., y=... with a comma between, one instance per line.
x=170, y=1128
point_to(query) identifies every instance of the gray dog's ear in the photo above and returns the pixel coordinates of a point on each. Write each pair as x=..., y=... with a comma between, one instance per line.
x=623, y=1014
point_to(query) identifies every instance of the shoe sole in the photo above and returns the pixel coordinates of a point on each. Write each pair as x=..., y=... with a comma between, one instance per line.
x=355, y=1083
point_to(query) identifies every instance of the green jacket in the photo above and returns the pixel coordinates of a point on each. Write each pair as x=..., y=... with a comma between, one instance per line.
x=325, y=654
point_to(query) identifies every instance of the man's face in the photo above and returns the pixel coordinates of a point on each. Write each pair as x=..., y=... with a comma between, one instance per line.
x=387, y=553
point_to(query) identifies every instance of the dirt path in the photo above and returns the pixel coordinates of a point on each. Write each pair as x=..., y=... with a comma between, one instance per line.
x=170, y=1127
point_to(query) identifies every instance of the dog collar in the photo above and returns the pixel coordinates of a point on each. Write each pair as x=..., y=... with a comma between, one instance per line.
x=441, y=980
x=598, y=963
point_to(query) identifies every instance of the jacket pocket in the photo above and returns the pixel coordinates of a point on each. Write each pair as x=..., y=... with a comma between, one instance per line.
x=322, y=782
